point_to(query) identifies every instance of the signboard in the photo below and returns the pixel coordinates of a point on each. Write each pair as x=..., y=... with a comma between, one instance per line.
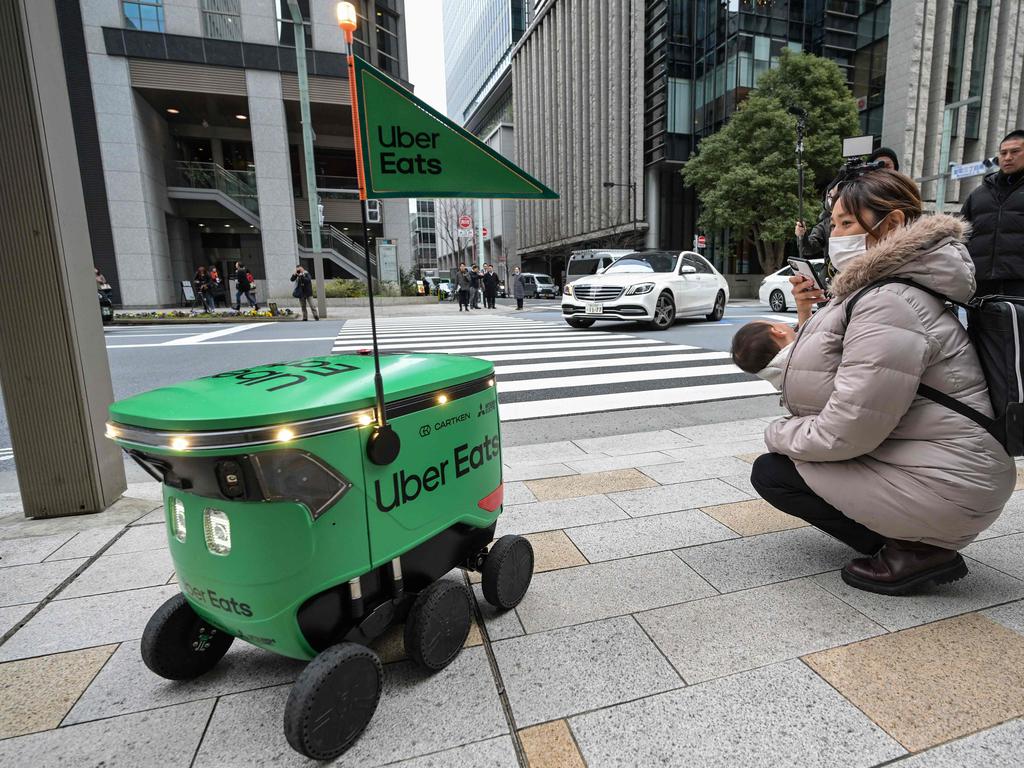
x=862, y=103
x=966, y=170
x=465, y=234
x=465, y=222
x=187, y=290
x=412, y=150
x=387, y=258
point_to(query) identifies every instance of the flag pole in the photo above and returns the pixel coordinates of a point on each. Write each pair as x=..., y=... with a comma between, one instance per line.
x=383, y=445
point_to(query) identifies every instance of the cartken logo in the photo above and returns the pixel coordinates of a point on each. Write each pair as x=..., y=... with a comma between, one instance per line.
x=424, y=430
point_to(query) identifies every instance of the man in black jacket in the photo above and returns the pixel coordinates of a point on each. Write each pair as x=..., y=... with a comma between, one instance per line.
x=243, y=287
x=490, y=286
x=304, y=292
x=996, y=212
x=474, y=288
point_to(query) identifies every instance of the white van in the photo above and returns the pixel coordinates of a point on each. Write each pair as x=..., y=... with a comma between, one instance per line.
x=591, y=262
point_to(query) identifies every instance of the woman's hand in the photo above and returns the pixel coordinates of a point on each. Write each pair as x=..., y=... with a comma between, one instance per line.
x=800, y=230
x=806, y=294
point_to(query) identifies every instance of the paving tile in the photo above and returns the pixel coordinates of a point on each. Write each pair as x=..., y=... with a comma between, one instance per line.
x=67, y=625
x=1011, y=615
x=750, y=518
x=150, y=491
x=535, y=472
x=36, y=694
x=981, y=588
x=754, y=561
x=998, y=747
x=9, y=617
x=1020, y=479
x=627, y=461
x=555, y=674
x=517, y=493
x=1005, y=554
x=717, y=450
x=600, y=591
x=541, y=453
x=551, y=550
x=742, y=482
x=125, y=684
x=86, y=543
x=934, y=683
x=390, y=647
x=157, y=517
x=122, y=512
x=165, y=737
x=721, y=635
x=500, y=624
x=696, y=469
x=493, y=753
x=418, y=714
x=117, y=573
x=674, y=498
x=751, y=457
x=29, y=549
x=782, y=715
x=644, y=535
x=143, y=538
x=22, y=584
x=551, y=745
x=724, y=431
x=553, y=515
x=589, y=484
x=634, y=442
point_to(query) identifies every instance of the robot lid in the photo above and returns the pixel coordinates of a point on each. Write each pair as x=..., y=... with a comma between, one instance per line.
x=303, y=390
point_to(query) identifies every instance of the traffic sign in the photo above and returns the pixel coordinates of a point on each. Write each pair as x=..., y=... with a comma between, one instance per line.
x=465, y=222
x=484, y=232
x=966, y=170
x=700, y=241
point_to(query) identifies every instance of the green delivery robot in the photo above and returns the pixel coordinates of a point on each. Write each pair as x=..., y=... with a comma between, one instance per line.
x=305, y=519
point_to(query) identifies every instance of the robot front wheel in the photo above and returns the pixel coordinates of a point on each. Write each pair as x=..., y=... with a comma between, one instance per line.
x=178, y=644
x=507, y=572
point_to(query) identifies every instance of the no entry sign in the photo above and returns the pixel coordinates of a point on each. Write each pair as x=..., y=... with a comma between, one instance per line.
x=465, y=222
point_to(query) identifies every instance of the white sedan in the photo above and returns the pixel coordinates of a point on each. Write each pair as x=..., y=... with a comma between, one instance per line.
x=777, y=292
x=654, y=287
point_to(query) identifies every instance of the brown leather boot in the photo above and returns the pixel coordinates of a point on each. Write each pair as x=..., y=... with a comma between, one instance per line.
x=900, y=566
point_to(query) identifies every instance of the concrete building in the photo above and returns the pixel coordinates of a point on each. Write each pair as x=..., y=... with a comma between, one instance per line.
x=188, y=131
x=423, y=228
x=622, y=93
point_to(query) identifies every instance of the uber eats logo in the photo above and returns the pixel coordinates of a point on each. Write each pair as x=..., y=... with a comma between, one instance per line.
x=394, y=163
x=407, y=486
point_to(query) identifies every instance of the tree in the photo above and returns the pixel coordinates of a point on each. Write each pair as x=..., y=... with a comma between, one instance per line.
x=745, y=175
x=447, y=213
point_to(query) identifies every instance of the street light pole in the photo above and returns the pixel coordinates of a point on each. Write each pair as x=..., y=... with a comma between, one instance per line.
x=307, y=151
x=947, y=130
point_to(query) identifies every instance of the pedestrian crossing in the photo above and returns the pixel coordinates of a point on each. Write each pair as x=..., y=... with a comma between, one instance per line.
x=6, y=454
x=546, y=369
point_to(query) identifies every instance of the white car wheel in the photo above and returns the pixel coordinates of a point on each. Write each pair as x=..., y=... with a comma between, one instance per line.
x=777, y=301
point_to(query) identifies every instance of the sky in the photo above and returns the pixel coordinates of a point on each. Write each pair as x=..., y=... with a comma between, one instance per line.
x=425, y=44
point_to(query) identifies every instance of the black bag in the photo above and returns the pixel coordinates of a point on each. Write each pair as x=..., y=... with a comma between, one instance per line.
x=995, y=325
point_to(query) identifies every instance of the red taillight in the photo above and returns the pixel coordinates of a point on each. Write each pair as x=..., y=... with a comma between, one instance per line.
x=364, y=352
x=492, y=501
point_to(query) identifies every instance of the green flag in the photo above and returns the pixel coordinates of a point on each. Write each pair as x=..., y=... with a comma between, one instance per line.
x=411, y=150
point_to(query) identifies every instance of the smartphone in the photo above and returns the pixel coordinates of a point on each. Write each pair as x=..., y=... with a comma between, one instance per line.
x=805, y=268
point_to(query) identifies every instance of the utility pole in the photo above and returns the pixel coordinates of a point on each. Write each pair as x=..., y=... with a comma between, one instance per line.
x=478, y=216
x=947, y=130
x=307, y=151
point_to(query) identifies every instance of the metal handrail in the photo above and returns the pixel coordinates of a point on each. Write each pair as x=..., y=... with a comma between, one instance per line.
x=332, y=237
x=238, y=185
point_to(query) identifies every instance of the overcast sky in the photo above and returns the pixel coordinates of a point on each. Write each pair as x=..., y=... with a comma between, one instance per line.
x=425, y=43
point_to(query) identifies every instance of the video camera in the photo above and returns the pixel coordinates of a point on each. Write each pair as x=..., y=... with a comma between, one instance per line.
x=854, y=150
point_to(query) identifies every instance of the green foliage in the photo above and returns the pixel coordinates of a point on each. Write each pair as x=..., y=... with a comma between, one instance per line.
x=345, y=289
x=745, y=175
x=407, y=283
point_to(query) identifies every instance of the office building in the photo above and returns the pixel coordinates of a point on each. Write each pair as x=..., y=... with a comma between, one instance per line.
x=189, y=137
x=423, y=229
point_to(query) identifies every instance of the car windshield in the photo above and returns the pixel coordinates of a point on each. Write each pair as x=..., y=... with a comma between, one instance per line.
x=643, y=262
x=581, y=267
x=544, y=280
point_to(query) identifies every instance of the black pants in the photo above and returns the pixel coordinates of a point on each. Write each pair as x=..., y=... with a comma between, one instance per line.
x=519, y=302
x=489, y=297
x=775, y=477
x=1000, y=288
x=463, y=299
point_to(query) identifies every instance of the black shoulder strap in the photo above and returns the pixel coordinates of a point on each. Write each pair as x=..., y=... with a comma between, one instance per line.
x=924, y=390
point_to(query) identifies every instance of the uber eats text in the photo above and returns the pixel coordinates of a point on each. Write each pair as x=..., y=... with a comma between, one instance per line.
x=392, y=163
x=407, y=486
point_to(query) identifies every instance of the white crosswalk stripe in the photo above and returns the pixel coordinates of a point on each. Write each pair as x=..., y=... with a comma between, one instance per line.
x=544, y=369
x=6, y=454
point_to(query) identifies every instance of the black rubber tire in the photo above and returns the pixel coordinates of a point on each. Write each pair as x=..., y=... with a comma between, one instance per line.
x=581, y=323
x=777, y=301
x=438, y=624
x=333, y=700
x=654, y=325
x=178, y=644
x=507, y=572
x=718, y=311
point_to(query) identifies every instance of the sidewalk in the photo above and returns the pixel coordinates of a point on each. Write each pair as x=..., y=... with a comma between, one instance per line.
x=674, y=619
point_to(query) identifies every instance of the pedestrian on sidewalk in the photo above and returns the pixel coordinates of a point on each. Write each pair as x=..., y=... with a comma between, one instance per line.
x=518, y=288
x=490, y=281
x=304, y=292
x=243, y=287
x=216, y=289
x=474, y=288
x=896, y=476
x=996, y=212
x=204, y=287
x=463, y=284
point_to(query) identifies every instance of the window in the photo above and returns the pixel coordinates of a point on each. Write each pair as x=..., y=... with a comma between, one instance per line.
x=222, y=19
x=387, y=43
x=286, y=27
x=145, y=15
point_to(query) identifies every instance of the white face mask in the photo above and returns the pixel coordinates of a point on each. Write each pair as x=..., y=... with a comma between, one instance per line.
x=843, y=250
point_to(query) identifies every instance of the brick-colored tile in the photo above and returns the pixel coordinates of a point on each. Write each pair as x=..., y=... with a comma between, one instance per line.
x=36, y=694
x=589, y=484
x=750, y=518
x=750, y=458
x=551, y=550
x=932, y=683
x=551, y=745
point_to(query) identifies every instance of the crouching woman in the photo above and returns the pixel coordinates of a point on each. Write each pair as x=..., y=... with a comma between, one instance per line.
x=899, y=478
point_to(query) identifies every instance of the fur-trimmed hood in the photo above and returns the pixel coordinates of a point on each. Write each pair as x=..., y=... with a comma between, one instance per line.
x=929, y=251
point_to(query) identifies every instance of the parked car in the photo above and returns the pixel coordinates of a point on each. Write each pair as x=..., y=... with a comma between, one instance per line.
x=775, y=290
x=539, y=286
x=654, y=287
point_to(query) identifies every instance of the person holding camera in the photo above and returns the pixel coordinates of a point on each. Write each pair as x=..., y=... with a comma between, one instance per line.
x=204, y=287
x=304, y=292
x=862, y=456
x=463, y=285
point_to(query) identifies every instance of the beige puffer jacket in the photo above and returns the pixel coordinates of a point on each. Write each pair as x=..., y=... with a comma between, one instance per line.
x=859, y=434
